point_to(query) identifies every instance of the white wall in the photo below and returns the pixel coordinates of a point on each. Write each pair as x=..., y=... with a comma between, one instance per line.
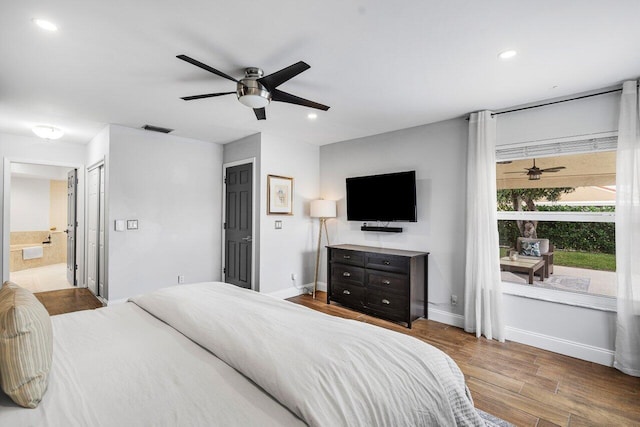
x=437, y=153
x=292, y=248
x=30, y=204
x=172, y=186
x=35, y=150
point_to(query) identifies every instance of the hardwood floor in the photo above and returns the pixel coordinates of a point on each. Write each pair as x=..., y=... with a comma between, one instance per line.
x=521, y=384
x=68, y=300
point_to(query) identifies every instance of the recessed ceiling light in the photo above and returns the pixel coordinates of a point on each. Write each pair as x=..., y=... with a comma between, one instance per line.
x=48, y=132
x=507, y=54
x=45, y=25
x=312, y=116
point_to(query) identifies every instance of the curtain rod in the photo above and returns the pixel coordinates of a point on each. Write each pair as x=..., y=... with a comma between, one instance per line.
x=557, y=102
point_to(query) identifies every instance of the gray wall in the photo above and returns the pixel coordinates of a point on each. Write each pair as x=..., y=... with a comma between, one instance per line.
x=437, y=152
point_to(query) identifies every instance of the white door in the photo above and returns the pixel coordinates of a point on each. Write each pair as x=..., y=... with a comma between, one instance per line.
x=101, y=238
x=93, y=229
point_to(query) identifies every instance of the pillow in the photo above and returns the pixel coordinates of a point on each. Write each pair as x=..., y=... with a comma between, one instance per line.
x=26, y=345
x=530, y=248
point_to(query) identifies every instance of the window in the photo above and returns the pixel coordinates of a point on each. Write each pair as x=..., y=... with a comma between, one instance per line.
x=566, y=202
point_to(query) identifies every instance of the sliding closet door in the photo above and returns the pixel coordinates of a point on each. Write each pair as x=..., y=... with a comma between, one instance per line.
x=96, y=250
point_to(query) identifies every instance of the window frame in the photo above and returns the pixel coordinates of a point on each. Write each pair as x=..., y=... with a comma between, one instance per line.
x=559, y=147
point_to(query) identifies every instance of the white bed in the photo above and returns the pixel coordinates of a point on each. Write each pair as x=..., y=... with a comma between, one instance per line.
x=214, y=354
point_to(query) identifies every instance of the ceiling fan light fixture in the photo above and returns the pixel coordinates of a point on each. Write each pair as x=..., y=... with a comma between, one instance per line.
x=48, y=132
x=252, y=94
x=534, y=176
x=254, y=101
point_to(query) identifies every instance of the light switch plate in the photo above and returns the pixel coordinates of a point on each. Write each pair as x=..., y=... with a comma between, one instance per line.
x=278, y=224
x=119, y=224
x=132, y=224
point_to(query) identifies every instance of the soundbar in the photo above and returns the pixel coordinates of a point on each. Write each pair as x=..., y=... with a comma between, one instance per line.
x=383, y=229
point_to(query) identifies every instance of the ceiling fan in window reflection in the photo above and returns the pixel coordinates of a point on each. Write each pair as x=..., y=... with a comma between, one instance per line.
x=255, y=90
x=534, y=173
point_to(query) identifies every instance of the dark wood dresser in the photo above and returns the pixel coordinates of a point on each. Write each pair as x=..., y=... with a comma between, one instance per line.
x=386, y=283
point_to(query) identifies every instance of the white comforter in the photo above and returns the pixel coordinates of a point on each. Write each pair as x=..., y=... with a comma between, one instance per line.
x=326, y=370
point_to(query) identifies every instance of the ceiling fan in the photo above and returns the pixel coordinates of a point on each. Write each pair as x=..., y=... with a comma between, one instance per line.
x=256, y=90
x=534, y=173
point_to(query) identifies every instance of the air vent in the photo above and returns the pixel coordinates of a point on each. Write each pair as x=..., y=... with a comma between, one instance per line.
x=157, y=129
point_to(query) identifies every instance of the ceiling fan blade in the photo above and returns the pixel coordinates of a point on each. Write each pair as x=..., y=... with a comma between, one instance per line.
x=205, y=67
x=516, y=172
x=261, y=114
x=274, y=80
x=278, y=95
x=556, y=169
x=206, y=95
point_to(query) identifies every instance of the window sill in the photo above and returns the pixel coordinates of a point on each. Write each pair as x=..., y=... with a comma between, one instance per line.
x=595, y=302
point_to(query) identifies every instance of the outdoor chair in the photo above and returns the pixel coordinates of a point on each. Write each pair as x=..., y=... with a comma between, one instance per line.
x=527, y=248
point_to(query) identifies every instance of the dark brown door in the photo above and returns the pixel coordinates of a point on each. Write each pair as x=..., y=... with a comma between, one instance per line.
x=72, y=182
x=238, y=226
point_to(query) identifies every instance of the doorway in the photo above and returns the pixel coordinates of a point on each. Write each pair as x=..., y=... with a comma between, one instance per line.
x=238, y=224
x=40, y=246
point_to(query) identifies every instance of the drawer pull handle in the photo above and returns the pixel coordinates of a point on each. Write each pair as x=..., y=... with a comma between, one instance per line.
x=386, y=282
x=346, y=292
x=386, y=301
x=346, y=256
x=386, y=262
x=346, y=274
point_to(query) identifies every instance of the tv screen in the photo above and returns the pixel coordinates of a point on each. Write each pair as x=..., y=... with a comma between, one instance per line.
x=389, y=197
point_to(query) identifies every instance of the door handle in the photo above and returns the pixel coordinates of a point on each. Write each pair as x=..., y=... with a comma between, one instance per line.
x=247, y=239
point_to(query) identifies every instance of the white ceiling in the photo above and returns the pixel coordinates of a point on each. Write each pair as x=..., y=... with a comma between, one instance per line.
x=380, y=65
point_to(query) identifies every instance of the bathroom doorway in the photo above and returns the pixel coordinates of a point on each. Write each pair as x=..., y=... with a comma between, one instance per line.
x=42, y=236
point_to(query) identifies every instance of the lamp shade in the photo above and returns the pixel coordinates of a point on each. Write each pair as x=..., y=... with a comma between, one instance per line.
x=323, y=208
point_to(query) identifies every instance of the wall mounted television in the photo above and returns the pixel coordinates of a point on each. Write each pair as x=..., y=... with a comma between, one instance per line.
x=386, y=198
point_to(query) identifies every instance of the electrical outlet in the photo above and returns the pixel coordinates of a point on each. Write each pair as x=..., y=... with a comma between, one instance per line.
x=180, y=279
x=454, y=299
x=294, y=276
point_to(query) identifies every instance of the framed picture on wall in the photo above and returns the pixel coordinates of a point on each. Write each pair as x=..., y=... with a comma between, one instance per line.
x=279, y=195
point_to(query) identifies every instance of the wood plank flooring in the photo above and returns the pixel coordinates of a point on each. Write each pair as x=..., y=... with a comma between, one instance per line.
x=68, y=300
x=521, y=384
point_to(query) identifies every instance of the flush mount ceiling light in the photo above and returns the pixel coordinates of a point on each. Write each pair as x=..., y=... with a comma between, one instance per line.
x=48, y=132
x=45, y=25
x=312, y=116
x=507, y=54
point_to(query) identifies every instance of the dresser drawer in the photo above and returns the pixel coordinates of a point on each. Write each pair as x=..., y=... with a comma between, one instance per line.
x=347, y=257
x=352, y=296
x=347, y=274
x=394, y=263
x=397, y=283
x=390, y=304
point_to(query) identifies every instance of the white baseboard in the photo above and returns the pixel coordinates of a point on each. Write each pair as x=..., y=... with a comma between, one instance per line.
x=445, y=317
x=290, y=292
x=578, y=350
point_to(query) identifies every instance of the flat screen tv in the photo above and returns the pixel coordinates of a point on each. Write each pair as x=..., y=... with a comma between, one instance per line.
x=388, y=197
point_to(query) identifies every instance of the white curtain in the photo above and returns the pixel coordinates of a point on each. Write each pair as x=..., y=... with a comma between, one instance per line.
x=627, y=356
x=483, y=293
